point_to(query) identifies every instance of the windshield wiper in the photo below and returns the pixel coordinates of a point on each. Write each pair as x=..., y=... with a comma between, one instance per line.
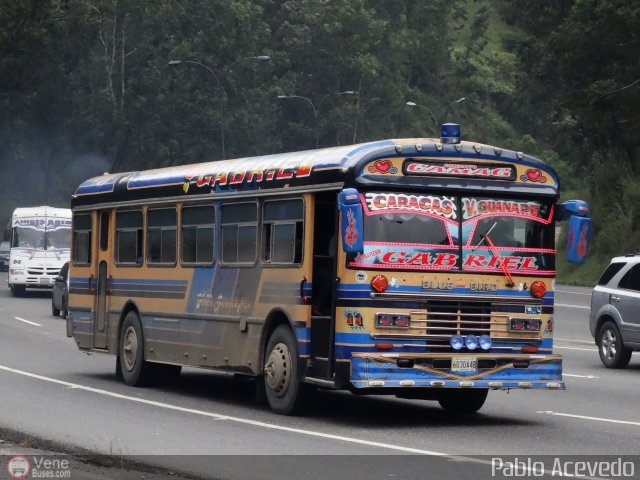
x=483, y=236
x=496, y=252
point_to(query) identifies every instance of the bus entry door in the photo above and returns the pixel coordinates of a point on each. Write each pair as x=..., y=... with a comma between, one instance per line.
x=324, y=285
x=101, y=330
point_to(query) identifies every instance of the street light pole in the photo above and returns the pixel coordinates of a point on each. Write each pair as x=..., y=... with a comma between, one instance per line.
x=316, y=109
x=220, y=86
x=435, y=120
x=446, y=110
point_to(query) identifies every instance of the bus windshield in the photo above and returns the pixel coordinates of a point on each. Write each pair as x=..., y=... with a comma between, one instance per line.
x=42, y=236
x=441, y=232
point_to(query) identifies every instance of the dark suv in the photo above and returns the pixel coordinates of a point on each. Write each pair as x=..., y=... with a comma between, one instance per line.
x=4, y=256
x=615, y=311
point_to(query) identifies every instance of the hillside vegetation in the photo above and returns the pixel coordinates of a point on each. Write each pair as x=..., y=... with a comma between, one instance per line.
x=85, y=87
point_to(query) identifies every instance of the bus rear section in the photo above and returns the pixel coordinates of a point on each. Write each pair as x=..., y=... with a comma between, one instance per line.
x=40, y=246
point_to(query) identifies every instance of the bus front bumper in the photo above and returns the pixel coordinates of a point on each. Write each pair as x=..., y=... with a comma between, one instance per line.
x=446, y=370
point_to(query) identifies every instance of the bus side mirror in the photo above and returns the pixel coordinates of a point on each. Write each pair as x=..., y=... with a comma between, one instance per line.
x=567, y=209
x=579, y=239
x=352, y=231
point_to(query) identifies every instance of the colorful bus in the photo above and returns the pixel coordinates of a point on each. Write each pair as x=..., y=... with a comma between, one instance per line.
x=422, y=268
x=40, y=246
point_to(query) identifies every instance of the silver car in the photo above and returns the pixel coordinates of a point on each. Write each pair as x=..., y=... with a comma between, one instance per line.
x=615, y=311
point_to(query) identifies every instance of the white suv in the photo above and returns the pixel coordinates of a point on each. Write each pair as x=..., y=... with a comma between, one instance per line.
x=615, y=311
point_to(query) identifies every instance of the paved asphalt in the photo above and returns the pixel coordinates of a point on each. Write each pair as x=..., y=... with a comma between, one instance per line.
x=52, y=392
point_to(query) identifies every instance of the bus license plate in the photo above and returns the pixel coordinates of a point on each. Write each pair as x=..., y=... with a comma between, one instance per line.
x=44, y=281
x=464, y=364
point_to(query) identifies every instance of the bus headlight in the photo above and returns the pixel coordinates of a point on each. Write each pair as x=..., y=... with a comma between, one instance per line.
x=16, y=271
x=485, y=342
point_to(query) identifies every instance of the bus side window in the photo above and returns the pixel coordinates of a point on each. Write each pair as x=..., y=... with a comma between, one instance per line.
x=129, y=238
x=238, y=231
x=161, y=236
x=82, y=239
x=197, y=234
x=282, y=226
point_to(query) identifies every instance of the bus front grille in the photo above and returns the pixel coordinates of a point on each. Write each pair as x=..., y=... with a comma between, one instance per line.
x=43, y=271
x=442, y=319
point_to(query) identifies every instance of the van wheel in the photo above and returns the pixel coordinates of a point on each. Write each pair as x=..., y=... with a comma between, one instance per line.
x=281, y=372
x=18, y=290
x=455, y=400
x=613, y=353
x=136, y=371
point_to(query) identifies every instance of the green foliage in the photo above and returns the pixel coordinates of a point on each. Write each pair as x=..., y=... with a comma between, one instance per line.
x=85, y=87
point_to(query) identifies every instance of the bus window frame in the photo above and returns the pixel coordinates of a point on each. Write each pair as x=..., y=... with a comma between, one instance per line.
x=147, y=256
x=292, y=264
x=74, y=242
x=221, y=225
x=116, y=249
x=214, y=225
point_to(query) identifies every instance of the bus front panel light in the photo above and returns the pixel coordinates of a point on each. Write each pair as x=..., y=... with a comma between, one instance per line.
x=471, y=342
x=485, y=342
x=456, y=342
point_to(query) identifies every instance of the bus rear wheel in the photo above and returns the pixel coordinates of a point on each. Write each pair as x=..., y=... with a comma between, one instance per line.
x=455, y=400
x=135, y=370
x=281, y=372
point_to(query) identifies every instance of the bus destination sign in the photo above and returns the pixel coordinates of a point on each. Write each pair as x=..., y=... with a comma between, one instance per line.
x=494, y=171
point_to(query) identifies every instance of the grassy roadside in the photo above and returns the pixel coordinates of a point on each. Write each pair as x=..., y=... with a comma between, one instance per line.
x=585, y=275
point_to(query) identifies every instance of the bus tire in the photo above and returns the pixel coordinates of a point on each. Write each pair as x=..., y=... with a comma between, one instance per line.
x=282, y=384
x=613, y=353
x=461, y=401
x=136, y=371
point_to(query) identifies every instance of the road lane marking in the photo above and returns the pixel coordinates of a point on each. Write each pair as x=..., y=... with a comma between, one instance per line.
x=216, y=416
x=573, y=293
x=576, y=348
x=590, y=342
x=389, y=446
x=578, y=376
x=584, y=417
x=566, y=305
x=28, y=321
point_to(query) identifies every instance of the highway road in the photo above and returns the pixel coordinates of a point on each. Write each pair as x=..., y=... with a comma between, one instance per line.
x=51, y=391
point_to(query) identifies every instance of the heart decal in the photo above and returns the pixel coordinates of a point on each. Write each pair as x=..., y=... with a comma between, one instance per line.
x=533, y=175
x=382, y=166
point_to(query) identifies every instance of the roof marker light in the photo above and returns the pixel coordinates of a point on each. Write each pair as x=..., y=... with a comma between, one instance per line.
x=450, y=133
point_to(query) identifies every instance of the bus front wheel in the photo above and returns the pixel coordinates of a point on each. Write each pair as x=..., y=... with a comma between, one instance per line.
x=281, y=372
x=455, y=400
x=136, y=371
